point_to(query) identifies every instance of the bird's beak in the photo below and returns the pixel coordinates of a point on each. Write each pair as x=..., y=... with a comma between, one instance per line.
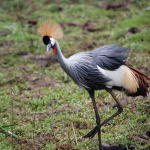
x=48, y=47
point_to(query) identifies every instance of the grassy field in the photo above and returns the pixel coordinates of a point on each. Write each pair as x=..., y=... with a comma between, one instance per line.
x=39, y=103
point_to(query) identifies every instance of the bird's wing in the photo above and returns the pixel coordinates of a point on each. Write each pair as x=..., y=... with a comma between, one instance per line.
x=84, y=71
x=109, y=57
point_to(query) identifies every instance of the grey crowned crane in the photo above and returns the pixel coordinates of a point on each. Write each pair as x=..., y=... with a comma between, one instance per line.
x=103, y=68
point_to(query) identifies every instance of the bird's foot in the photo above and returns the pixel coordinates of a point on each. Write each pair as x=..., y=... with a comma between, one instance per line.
x=91, y=134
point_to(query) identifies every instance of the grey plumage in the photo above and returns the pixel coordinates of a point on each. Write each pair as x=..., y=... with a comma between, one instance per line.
x=83, y=69
x=110, y=57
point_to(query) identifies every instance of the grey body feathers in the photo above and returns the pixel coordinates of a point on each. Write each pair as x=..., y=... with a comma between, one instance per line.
x=82, y=67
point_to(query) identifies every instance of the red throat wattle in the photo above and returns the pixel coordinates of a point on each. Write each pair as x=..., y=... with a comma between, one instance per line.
x=54, y=51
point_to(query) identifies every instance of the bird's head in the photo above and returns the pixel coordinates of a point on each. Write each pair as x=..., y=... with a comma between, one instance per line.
x=50, y=31
x=49, y=42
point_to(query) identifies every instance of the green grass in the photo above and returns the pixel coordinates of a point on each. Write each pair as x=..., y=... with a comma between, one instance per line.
x=43, y=104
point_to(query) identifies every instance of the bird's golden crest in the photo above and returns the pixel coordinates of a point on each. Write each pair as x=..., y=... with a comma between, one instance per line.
x=51, y=29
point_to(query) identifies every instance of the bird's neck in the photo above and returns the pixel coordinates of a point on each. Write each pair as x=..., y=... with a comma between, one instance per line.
x=60, y=57
x=58, y=53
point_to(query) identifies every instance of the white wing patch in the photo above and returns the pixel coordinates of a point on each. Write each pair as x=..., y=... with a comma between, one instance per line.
x=116, y=76
x=121, y=77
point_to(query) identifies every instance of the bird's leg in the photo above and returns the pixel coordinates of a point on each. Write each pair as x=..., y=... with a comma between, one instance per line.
x=92, y=133
x=91, y=93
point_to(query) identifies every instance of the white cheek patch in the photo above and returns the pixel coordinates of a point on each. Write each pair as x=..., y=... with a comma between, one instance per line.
x=52, y=41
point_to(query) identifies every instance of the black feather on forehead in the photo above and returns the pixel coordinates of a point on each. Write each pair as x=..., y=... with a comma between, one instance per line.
x=46, y=40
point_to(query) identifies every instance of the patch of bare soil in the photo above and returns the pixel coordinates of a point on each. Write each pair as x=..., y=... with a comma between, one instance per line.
x=116, y=6
x=32, y=23
x=134, y=30
x=38, y=82
x=4, y=33
x=142, y=138
x=82, y=125
x=5, y=43
x=88, y=26
x=91, y=26
x=64, y=108
x=107, y=146
x=66, y=147
x=67, y=108
x=35, y=144
x=41, y=115
x=86, y=45
x=41, y=60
